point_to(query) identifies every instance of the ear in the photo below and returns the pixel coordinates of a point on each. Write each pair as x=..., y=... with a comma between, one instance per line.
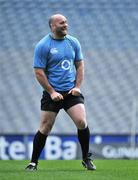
x=53, y=27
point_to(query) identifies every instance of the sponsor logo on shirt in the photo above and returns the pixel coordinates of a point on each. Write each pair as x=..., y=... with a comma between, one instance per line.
x=53, y=51
x=66, y=64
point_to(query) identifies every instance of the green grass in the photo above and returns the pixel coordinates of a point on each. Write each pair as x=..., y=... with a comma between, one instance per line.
x=70, y=170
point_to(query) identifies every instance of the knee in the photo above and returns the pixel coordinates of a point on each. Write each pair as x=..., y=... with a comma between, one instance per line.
x=82, y=124
x=45, y=127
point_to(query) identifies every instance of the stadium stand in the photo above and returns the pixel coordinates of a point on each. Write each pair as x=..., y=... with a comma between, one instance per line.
x=107, y=30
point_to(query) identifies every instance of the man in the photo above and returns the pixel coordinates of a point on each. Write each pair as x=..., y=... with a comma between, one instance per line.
x=56, y=57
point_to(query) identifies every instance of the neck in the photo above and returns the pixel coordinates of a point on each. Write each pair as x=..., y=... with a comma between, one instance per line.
x=54, y=36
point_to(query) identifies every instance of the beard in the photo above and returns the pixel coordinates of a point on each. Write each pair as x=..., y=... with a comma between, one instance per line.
x=61, y=32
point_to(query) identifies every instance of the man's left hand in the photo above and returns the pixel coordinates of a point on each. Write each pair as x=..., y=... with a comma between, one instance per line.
x=75, y=91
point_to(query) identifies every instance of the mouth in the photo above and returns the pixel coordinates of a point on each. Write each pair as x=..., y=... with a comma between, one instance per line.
x=64, y=29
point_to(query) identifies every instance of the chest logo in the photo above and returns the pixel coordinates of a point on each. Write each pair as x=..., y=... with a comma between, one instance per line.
x=66, y=65
x=53, y=51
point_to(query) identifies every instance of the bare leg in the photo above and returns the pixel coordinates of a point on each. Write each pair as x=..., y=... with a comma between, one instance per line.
x=46, y=123
x=78, y=115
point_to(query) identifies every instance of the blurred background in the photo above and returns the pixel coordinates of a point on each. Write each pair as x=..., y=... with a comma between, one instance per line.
x=108, y=33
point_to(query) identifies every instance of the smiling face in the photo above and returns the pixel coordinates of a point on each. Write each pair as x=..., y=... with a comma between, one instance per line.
x=59, y=26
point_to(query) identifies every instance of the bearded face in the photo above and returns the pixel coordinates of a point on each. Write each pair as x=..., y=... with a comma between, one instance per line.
x=59, y=27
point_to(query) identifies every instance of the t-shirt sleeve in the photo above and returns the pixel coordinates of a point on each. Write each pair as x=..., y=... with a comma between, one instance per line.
x=78, y=53
x=39, y=57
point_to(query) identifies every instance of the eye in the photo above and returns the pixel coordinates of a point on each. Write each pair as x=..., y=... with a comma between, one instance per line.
x=63, y=22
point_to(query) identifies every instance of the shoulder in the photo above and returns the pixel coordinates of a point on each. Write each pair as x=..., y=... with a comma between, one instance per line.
x=44, y=42
x=73, y=40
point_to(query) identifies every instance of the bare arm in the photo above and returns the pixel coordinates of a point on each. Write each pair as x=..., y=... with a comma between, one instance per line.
x=42, y=79
x=79, y=78
x=79, y=73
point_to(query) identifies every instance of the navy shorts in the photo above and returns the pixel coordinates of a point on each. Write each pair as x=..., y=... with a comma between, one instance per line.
x=47, y=104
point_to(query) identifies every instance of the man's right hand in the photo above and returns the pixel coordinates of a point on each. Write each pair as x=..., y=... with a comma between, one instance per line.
x=55, y=96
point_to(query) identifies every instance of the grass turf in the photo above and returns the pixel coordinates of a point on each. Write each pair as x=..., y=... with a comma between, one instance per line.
x=70, y=170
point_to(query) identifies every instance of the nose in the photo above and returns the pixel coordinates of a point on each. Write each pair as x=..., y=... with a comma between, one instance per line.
x=66, y=24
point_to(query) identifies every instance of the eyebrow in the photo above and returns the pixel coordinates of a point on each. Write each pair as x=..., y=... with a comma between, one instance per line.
x=63, y=21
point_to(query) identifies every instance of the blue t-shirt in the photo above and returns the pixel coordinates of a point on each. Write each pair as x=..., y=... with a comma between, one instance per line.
x=57, y=58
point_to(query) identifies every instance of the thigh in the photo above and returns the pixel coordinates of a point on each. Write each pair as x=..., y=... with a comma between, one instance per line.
x=78, y=115
x=47, y=120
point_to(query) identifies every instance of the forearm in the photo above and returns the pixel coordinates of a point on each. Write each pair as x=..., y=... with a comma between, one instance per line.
x=79, y=74
x=43, y=81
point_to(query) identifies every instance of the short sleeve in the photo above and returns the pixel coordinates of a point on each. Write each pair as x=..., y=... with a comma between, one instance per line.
x=78, y=53
x=39, y=57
